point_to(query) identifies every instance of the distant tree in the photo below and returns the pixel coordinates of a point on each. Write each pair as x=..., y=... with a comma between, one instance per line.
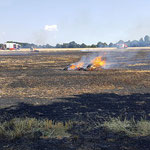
x=141, y=42
x=134, y=43
x=93, y=46
x=111, y=45
x=88, y=46
x=120, y=42
x=100, y=44
x=147, y=38
x=10, y=42
x=58, y=46
x=40, y=46
x=48, y=46
x=105, y=44
x=65, y=45
x=73, y=45
x=83, y=45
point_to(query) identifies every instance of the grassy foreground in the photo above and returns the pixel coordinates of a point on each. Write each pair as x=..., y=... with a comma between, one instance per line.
x=32, y=128
x=131, y=128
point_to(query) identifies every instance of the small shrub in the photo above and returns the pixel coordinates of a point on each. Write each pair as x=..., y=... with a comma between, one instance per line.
x=129, y=127
x=117, y=125
x=143, y=127
x=33, y=128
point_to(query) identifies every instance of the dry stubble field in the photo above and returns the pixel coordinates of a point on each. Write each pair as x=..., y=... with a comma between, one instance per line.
x=36, y=86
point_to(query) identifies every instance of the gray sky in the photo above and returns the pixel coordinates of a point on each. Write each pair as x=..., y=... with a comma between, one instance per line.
x=83, y=21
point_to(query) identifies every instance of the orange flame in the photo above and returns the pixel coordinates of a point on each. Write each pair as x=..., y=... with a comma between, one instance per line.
x=72, y=67
x=76, y=66
x=98, y=62
x=80, y=65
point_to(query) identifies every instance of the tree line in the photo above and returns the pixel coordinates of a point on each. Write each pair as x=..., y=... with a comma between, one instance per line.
x=142, y=42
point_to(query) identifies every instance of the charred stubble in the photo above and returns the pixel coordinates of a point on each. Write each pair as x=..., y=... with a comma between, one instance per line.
x=38, y=87
x=42, y=76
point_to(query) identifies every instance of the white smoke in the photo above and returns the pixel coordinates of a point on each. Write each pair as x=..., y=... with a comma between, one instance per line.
x=50, y=28
x=40, y=37
x=117, y=58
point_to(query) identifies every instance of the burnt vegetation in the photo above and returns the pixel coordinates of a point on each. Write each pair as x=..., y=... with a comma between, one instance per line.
x=44, y=107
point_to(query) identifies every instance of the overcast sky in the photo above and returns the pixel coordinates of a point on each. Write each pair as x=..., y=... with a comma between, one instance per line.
x=83, y=21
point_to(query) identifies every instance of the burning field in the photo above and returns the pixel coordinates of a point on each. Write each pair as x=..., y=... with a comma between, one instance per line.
x=88, y=64
x=77, y=89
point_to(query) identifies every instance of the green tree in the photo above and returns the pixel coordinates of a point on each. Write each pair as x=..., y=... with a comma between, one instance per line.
x=73, y=45
x=99, y=44
x=110, y=45
x=58, y=46
x=93, y=46
x=83, y=45
x=65, y=45
x=141, y=42
x=147, y=38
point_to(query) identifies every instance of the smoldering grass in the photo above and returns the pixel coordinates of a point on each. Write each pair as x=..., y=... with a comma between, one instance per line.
x=32, y=128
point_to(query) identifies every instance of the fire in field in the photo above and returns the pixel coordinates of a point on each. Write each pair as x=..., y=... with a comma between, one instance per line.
x=50, y=107
x=122, y=59
x=88, y=63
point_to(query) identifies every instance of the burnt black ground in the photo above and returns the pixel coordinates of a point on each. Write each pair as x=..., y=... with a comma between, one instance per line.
x=37, y=86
